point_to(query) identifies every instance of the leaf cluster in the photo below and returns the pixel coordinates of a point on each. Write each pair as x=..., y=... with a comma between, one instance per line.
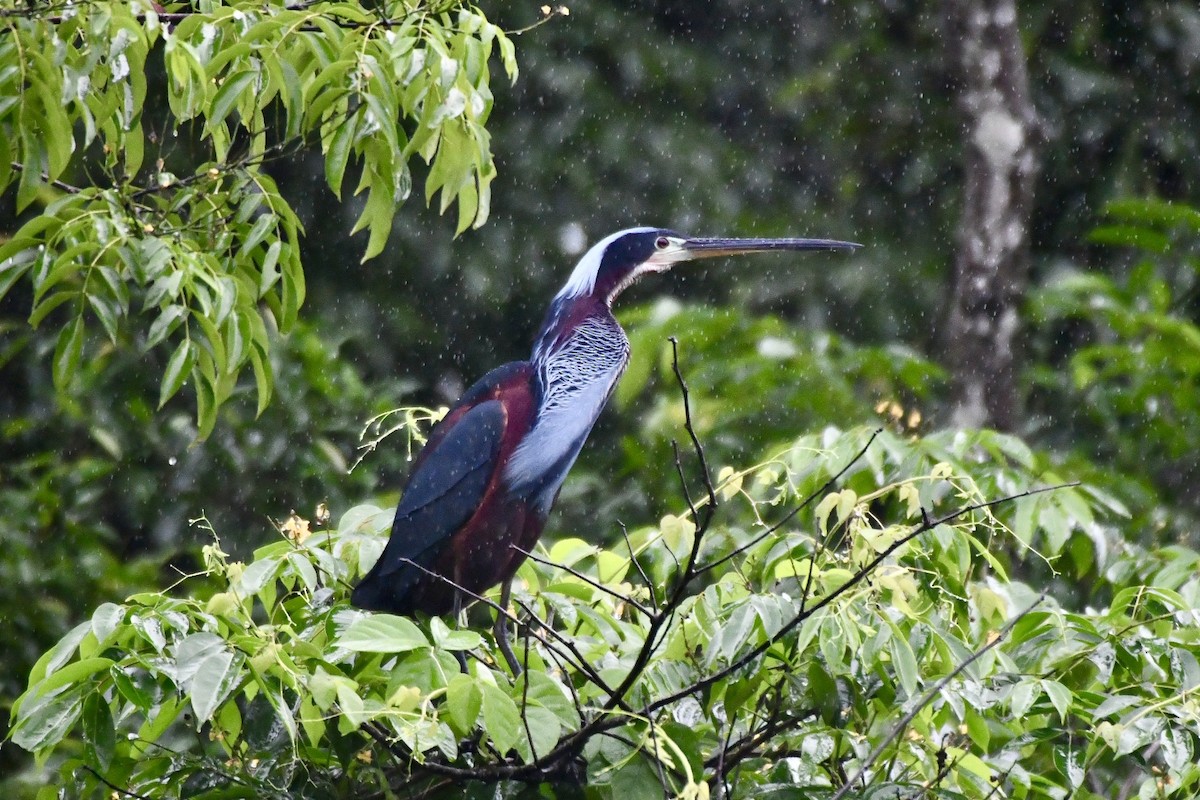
x=208, y=251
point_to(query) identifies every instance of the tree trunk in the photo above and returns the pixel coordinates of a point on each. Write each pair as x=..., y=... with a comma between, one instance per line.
x=991, y=266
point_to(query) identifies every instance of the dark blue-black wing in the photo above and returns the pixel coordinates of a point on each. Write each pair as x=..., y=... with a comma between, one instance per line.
x=451, y=479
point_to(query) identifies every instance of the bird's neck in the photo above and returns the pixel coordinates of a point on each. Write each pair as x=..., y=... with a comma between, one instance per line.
x=577, y=360
x=567, y=318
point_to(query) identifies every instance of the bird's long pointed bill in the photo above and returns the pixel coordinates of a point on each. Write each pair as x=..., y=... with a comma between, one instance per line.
x=711, y=248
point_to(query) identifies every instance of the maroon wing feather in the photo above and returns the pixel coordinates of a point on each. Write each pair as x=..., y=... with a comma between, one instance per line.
x=453, y=499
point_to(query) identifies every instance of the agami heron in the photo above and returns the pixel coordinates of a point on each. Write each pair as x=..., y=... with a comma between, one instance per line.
x=481, y=489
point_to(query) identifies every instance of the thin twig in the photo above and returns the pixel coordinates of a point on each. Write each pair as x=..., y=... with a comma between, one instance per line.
x=687, y=424
x=638, y=565
x=998, y=782
x=585, y=578
x=722, y=786
x=115, y=789
x=500, y=633
x=277, y=150
x=689, y=570
x=660, y=621
x=822, y=545
x=748, y=745
x=683, y=484
x=57, y=184
x=658, y=765
x=525, y=704
x=548, y=14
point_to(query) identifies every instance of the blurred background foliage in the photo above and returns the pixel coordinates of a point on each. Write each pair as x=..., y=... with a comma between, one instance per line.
x=805, y=118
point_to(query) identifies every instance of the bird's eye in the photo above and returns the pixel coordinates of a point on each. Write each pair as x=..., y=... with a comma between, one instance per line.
x=662, y=243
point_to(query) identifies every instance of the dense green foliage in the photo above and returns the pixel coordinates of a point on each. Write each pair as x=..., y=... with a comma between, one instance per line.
x=1131, y=374
x=804, y=118
x=708, y=650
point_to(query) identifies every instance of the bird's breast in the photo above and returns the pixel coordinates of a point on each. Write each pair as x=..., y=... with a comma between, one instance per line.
x=576, y=378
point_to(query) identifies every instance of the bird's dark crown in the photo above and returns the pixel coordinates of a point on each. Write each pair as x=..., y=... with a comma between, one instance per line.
x=615, y=261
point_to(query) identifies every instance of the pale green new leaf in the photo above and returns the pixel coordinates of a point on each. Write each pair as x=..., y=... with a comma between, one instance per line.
x=382, y=633
x=216, y=676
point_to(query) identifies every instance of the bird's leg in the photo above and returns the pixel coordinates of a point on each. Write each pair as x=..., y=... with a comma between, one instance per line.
x=501, y=629
x=458, y=618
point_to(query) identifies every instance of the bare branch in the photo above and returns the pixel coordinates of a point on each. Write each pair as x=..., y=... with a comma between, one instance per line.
x=683, y=484
x=660, y=621
x=687, y=424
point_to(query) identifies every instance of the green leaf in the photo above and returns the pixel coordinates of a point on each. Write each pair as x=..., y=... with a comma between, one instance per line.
x=337, y=153
x=258, y=574
x=904, y=661
x=73, y=673
x=99, y=731
x=164, y=324
x=540, y=732
x=178, y=368
x=161, y=718
x=1154, y=211
x=13, y=269
x=47, y=305
x=45, y=720
x=270, y=267
x=446, y=639
x=377, y=215
x=105, y=620
x=382, y=633
x=206, y=402
x=232, y=90
x=106, y=311
x=501, y=720
x=262, y=225
x=67, y=354
x=215, y=678
x=54, y=658
x=464, y=699
x=293, y=292
x=130, y=690
x=263, y=379
x=1060, y=697
x=549, y=694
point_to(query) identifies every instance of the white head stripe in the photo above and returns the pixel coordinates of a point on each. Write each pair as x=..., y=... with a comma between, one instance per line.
x=583, y=278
